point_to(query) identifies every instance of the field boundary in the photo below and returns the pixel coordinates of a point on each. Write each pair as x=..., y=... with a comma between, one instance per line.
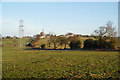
x=76, y=49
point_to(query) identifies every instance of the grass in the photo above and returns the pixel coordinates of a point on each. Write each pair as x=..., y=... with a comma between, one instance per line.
x=45, y=41
x=57, y=64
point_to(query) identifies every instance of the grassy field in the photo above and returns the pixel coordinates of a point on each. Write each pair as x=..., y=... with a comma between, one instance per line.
x=45, y=41
x=57, y=64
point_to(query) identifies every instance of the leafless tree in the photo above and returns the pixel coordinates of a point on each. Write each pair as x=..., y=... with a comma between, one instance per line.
x=111, y=32
x=108, y=31
x=100, y=32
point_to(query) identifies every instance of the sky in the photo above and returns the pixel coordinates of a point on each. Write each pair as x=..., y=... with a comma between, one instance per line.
x=57, y=17
x=60, y=0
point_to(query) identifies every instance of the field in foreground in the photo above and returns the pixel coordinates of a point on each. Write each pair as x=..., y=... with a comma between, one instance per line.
x=58, y=64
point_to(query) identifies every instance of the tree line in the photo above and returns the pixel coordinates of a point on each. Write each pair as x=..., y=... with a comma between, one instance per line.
x=104, y=38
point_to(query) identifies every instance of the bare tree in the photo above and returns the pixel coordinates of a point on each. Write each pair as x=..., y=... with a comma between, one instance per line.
x=108, y=31
x=111, y=32
x=100, y=32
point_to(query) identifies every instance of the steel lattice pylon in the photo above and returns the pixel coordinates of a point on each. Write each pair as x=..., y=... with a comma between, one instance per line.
x=21, y=34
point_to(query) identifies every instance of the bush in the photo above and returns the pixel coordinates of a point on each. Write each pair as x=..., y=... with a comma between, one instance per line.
x=43, y=46
x=99, y=44
x=75, y=44
x=112, y=43
x=96, y=44
x=88, y=44
x=102, y=43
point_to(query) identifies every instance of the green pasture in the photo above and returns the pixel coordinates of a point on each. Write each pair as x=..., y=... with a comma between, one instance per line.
x=57, y=64
x=45, y=41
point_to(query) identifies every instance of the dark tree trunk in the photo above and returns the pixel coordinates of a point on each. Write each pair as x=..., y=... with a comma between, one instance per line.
x=65, y=46
x=54, y=45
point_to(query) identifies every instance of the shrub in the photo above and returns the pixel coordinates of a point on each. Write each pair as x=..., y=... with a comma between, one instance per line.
x=102, y=43
x=88, y=44
x=112, y=43
x=96, y=44
x=75, y=44
x=43, y=46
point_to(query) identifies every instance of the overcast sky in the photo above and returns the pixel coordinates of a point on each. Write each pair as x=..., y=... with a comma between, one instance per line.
x=57, y=17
